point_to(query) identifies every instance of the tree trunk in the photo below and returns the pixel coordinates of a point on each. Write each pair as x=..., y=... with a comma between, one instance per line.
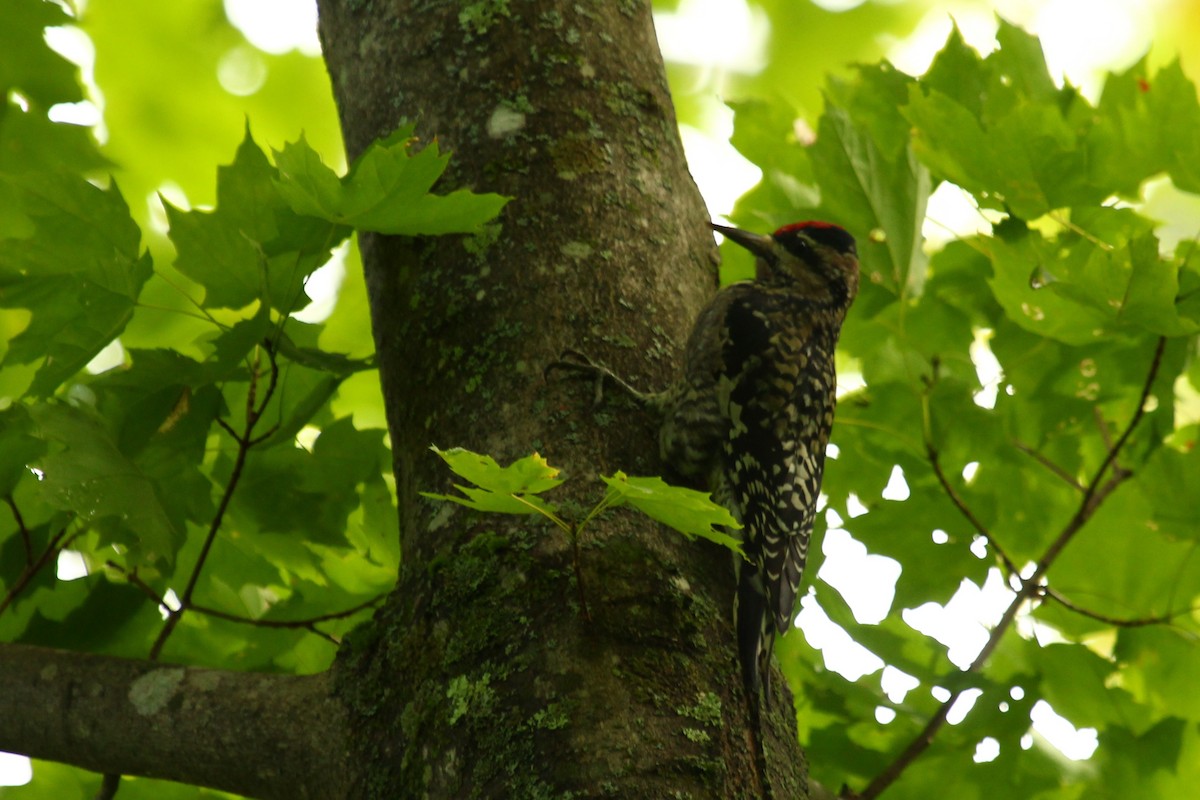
x=486, y=676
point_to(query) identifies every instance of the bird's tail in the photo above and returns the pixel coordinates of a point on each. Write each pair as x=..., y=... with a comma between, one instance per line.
x=755, y=632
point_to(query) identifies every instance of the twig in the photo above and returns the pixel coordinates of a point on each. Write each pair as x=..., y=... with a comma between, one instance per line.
x=135, y=580
x=1069, y=479
x=53, y=547
x=1098, y=489
x=1102, y=426
x=931, y=453
x=245, y=442
x=26, y=539
x=287, y=623
x=965, y=510
x=1116, y=622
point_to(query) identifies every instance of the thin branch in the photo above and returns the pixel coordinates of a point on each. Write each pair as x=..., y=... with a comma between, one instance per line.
x=965, y=510
x=1116, y=622
x=287, y=623
x=931, y=453
x=1098, y=489
x=185, y=599
x=272, y=383
x=265, y=435
x=135, y=580
x=245, y=443
x=1102, y=426
x=1067, y=477
x=56, y=544
x=26, y=539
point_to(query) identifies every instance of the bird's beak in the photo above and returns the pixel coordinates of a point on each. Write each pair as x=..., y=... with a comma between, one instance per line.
x=756, y=243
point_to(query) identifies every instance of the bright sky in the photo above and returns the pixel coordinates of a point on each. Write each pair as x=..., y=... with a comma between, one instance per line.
x=1081, y=38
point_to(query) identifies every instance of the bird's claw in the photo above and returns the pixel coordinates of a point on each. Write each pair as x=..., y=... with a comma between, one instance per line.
x=575, y=361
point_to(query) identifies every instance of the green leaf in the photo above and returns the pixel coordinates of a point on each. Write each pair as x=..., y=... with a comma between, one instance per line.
x=1020, y=59
x=1105, y=275
x=27, y=64
x=214, y=253
x=956, y=147
x=1000, y=129
x=323, y=486
x=78, y=268
x=958, y=72
x=1162, y=762
x=1074, y=682
x=315, y=358
x=232, y=346
x=505, y=490
x=385, y=191
x=688, y=511
x=879, y=191
x=252, y=246
x=30, y=142
x=1161, y=664
x=1021, y=263
x=85, y=473
x=529, y=475
x=18, y=448
x=1140, y=129
x=1171, y=482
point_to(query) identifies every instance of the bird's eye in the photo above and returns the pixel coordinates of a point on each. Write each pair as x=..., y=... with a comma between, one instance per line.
x=800, y=246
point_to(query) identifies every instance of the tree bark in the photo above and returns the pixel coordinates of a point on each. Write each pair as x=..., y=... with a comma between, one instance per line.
x=267, y=736
x=501, y=683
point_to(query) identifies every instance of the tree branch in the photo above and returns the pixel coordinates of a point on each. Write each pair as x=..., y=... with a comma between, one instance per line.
x=308, y=624
x=57, y=542
x=26, y=540
x=1098, y=489
x=932, y=454
x=1050, y=465
x=245, y=442
x=269, y=736
x=1116, y=622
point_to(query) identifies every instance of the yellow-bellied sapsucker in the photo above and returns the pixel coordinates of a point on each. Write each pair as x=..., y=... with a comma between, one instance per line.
x=753, y=411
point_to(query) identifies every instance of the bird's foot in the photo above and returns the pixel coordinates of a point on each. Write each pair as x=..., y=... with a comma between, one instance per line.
x=580, y=364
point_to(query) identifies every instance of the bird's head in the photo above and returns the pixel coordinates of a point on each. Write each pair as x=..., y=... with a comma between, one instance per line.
x=817, y=258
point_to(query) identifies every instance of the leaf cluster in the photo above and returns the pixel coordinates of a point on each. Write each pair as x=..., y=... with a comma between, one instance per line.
x=201, y=477
x=516, y=489
x=998, y=373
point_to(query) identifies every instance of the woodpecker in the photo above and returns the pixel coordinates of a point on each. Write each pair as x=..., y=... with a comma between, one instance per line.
x=752, y=413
